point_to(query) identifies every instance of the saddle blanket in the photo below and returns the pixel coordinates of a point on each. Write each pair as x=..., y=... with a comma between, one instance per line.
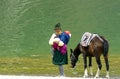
x=85, y=41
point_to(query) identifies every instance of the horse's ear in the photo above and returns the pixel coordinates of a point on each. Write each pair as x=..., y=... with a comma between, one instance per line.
x=71, y=50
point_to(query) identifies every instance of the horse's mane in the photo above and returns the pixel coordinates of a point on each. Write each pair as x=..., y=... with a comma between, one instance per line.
x=102, y=37
x=77, y=49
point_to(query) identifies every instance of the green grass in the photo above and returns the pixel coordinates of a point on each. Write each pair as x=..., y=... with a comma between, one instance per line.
x=42, y=65
x=26, y=26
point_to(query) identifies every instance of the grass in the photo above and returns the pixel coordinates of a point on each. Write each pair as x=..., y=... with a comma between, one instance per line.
x=26, y=26
x=42, y=65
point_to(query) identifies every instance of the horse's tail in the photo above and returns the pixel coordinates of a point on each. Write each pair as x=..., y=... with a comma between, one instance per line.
x=105, y=46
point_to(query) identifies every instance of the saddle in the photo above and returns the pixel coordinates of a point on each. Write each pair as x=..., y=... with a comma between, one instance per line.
x=87, y=37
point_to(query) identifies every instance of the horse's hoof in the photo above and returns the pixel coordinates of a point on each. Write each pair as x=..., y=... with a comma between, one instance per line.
x=85, y=76
x=107, y=76
x=96, y=77
x=91, y=74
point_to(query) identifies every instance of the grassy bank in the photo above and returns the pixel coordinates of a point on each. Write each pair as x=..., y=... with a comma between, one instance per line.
x=26, y=25
x=37, y=65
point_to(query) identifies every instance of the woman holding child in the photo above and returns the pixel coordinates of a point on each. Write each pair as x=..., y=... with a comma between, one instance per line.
x=58, y=42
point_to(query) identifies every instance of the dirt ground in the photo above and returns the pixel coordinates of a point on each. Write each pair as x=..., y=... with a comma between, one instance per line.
x=45, y=77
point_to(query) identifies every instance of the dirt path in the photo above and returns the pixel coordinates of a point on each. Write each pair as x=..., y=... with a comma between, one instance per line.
x=45, y=77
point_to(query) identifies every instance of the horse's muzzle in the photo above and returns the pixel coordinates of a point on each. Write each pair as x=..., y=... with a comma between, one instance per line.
x=72, y=66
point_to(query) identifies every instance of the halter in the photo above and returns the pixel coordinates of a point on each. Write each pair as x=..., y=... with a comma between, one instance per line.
x=74, y=57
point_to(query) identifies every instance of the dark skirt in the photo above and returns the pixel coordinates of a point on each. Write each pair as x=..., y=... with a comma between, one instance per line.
x=60, y=59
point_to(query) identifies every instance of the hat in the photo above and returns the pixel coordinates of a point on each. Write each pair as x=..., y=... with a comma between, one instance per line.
x=57, y=26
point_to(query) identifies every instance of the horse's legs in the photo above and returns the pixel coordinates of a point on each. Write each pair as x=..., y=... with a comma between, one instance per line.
x=107, y=65
x=85, y=66
x=90, y=65
x=99, y=66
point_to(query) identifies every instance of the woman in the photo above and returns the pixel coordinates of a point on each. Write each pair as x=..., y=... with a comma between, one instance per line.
x=58, y=42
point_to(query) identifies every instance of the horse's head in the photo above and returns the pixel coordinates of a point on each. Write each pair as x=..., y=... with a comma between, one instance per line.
x=74, y=55
x=73, y=58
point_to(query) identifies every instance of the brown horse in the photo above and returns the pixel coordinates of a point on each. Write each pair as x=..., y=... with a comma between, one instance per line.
x=95, y=49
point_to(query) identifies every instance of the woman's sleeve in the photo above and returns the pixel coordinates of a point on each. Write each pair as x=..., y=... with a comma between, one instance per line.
x=52, y=39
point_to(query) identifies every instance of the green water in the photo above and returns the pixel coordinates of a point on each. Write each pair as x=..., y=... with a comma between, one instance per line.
x=26, y=25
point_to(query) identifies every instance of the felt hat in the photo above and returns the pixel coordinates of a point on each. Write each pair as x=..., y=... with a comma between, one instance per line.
x=57, y=26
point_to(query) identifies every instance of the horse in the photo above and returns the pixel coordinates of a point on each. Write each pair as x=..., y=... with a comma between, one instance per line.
x=98, y=46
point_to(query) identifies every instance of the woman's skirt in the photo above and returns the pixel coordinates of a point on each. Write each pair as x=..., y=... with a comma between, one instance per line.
x=59, y=58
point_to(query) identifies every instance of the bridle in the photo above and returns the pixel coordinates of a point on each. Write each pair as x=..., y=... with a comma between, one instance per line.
x=75, y=59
